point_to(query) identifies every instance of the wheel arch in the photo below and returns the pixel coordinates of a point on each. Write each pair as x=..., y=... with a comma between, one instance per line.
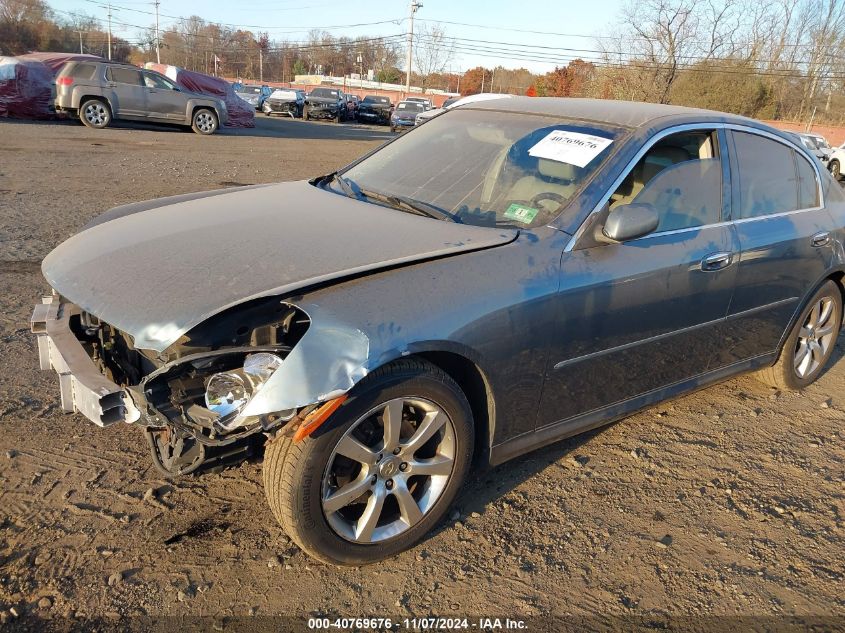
x=193, y=106
x=86, y=96
x=837, y=276
x=476, y=387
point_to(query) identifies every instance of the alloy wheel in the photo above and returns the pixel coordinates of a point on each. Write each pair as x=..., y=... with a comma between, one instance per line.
x=817, y=335
x=205, y=122
x=95, y=113
x=388, y=470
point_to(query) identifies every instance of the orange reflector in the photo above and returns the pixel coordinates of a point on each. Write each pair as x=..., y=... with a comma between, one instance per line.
x=315, y=419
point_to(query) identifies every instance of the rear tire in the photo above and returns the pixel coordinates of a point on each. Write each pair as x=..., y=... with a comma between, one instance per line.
x=204, y=122
x=810, y=343
x=304, y=482
x=95, y=113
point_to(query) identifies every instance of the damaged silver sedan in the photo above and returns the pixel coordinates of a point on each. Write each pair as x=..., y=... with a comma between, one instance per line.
x=381, y=331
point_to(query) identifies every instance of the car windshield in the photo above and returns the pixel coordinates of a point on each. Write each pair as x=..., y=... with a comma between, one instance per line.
x=411, y=105
x=252, y=90
x=483, y=167
x=371, y=99
x=283, y=94
x=322, y=92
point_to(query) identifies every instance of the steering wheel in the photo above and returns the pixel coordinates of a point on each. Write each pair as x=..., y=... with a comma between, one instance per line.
x=554, y=197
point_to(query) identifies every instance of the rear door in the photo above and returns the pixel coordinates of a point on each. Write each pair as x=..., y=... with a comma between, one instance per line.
x=637, y=317
x=129, y=97
x=785, y=240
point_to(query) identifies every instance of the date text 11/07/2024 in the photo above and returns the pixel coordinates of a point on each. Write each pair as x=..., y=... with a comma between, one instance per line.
x=418, y=624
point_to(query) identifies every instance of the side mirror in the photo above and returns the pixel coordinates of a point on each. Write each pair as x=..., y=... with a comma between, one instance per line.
x=629, y=221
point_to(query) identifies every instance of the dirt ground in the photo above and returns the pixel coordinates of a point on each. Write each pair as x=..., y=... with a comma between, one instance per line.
x=720, y=510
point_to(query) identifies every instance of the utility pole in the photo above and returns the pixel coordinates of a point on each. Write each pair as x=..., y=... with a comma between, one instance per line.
x=482, y=80
x=414, y=6
x=81, y=52
x=158, y=53
x=109, y=31
x=360, y=71
x=260, y=64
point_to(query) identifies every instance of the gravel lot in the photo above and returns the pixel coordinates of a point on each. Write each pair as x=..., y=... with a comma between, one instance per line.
x=723, y=505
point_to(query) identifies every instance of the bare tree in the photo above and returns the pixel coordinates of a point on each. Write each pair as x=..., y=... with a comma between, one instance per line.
x=433, y=52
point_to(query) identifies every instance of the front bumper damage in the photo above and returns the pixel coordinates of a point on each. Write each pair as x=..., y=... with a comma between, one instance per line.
x=83, y=388
x=307, y=388
x=323, y=364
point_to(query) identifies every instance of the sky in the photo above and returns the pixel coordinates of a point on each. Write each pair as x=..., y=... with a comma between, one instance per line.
x=494, y=24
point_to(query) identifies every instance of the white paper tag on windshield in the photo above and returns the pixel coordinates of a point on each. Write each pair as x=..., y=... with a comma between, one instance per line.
x=570, y=147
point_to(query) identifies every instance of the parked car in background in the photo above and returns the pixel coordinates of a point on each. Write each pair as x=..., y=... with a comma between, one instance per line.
x=254, y=95
x=510, y=274
x=285, y=102
x=454, y=102
x=99, y=92
x=811, y=143
x=325, y=103
x=375, y=109
x=423, y=100
x=351, y=102
x=405, y=114
x=427, y=115
x=836, y=162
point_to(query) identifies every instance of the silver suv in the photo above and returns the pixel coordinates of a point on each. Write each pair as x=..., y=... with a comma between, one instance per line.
x=98, y=92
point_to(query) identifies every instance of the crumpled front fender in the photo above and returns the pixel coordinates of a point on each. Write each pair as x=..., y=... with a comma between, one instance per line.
x=328, y=361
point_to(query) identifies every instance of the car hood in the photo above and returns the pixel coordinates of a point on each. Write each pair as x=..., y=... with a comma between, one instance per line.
x=406, y=114
x=159, y=269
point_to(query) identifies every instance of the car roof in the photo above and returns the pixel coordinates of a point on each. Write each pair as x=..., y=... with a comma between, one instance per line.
x=630, y=114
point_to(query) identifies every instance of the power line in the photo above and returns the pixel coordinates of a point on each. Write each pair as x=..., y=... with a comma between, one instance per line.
x=558, y=34
x=264, y=27
x=541, y=49
x=563, y=60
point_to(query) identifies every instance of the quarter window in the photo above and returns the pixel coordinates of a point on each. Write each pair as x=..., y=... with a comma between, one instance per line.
x=125, y=76
x=767, y=182
x=808, y=190
x=82, y=71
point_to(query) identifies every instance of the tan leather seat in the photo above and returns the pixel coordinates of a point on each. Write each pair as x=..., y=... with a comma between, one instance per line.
x=552, y=177
x=655, y=161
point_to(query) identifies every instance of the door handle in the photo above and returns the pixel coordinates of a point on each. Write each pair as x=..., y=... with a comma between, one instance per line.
x=822, y=238
x=717, y=261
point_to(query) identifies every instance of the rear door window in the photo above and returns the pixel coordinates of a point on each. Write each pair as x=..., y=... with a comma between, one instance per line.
x=767, y=180
x=125, y=76
x=808, y=189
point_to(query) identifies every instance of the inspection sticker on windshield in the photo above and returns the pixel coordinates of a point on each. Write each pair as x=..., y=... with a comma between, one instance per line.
x=570, y=147
x=521, y=214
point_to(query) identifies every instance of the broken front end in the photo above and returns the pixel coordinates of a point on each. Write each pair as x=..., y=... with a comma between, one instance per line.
x=261, y=368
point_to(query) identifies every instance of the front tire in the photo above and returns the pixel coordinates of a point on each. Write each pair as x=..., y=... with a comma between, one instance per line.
x=204, y=122
x=380, y=473
x=95, y=113
x=810, y=343
x=835, y=169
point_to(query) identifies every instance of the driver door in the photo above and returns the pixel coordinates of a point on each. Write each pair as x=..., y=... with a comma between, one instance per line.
x=636, y=317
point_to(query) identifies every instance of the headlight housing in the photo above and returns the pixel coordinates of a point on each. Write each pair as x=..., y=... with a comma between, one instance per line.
x=227, y=393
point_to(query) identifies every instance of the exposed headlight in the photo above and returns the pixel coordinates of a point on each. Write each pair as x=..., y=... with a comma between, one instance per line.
x=227, y=393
